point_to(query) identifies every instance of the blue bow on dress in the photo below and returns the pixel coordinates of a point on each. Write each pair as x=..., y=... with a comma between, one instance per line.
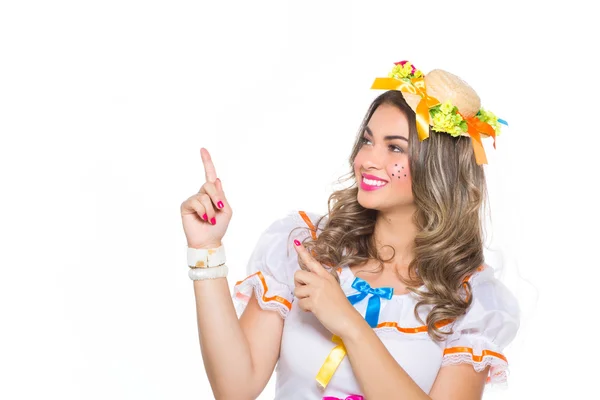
x=372, y=314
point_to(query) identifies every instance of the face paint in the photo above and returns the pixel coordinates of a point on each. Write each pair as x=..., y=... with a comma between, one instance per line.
x=400, y=172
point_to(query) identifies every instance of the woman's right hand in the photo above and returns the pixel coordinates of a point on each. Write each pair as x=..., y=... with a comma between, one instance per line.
x=200, y=210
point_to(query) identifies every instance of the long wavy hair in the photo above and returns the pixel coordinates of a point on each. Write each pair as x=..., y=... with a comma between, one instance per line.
x=449, y=192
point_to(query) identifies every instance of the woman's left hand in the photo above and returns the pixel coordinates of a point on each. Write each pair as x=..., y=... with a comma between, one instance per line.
x=319, y=292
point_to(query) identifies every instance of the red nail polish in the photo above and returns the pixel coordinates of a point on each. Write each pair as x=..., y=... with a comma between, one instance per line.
x=297, y=243
x=220, y=204
x=205, y=217
x=213, y=220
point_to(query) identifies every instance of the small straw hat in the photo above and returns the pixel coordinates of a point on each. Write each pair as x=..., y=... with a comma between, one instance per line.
x=445, y=102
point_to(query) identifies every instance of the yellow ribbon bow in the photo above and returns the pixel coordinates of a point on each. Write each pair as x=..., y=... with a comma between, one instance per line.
x=415, y=86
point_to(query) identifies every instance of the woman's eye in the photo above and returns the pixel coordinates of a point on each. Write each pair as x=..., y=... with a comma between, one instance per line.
x=395, y=149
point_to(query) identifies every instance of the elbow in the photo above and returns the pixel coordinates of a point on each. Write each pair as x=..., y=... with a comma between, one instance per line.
x=234, y=395
x=237, y=391
x=233, y=386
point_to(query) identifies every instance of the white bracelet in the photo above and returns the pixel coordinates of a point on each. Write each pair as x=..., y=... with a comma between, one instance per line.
x=206, y=258
x=200, y=274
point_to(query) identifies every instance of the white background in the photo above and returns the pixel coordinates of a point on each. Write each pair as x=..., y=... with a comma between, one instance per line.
x=104, y=106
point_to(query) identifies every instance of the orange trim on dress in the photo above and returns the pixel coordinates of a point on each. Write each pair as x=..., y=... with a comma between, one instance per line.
x=313, y=231
x=418, y=329
x=277, y=299
x=454, y=350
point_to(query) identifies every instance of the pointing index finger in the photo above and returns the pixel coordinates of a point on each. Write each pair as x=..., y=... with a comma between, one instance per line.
x=209, y=167
x=308, y=259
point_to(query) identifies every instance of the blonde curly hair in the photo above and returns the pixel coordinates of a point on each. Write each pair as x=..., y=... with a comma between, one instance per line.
x=450, y=196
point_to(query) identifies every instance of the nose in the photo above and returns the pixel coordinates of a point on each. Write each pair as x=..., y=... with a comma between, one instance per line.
x=372, y=161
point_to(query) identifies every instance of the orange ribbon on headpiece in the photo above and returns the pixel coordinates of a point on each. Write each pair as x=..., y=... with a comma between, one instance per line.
x=415, y=86
x=475, y=128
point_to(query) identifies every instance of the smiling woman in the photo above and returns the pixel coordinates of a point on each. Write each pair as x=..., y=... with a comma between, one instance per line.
x=388, y=294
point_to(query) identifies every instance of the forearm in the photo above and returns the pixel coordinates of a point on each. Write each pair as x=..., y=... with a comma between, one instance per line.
x=225, y=349
x=377, y=372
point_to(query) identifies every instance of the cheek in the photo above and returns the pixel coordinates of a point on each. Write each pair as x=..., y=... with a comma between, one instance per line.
x=357, y=162
x=400, y=173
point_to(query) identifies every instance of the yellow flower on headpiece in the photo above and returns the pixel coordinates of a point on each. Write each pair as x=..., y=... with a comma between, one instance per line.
x=404, y=70
x=445, y=118
x=446, y=107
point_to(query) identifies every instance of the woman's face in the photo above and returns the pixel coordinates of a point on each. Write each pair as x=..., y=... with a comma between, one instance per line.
x=384, y=155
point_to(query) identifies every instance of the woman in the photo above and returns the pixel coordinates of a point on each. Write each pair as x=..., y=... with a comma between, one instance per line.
x=387, y=295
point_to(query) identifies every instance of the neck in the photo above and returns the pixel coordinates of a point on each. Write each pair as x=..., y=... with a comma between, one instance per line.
x=397, y=229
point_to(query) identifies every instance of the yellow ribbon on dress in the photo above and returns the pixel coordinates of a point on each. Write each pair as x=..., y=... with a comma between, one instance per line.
x=333, y=361
x=415, y=86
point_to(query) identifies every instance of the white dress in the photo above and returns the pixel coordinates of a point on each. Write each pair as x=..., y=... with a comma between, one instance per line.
x=479, y=337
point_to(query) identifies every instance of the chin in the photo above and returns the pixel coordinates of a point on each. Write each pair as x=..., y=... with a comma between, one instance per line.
x=371, y=205
x=374, y=204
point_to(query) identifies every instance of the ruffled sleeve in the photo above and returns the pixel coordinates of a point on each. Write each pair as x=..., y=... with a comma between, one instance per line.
x=489, y=325
x=271, y=267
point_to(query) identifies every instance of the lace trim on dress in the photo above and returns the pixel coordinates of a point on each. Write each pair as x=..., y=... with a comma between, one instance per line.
x=257, y=284
x=498, y=366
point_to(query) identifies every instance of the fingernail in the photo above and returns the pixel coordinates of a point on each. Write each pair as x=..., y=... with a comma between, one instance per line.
x=213, y=220
x=296, y=242
x=220, y=204
x=205, y=217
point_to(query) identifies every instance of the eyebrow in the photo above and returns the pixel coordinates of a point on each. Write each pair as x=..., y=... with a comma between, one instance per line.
x=368, y=130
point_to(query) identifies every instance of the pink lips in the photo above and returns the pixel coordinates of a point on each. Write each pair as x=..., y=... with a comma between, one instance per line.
x=367, y=187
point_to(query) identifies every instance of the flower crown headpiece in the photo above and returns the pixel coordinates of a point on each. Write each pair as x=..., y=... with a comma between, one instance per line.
x=445, y=102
